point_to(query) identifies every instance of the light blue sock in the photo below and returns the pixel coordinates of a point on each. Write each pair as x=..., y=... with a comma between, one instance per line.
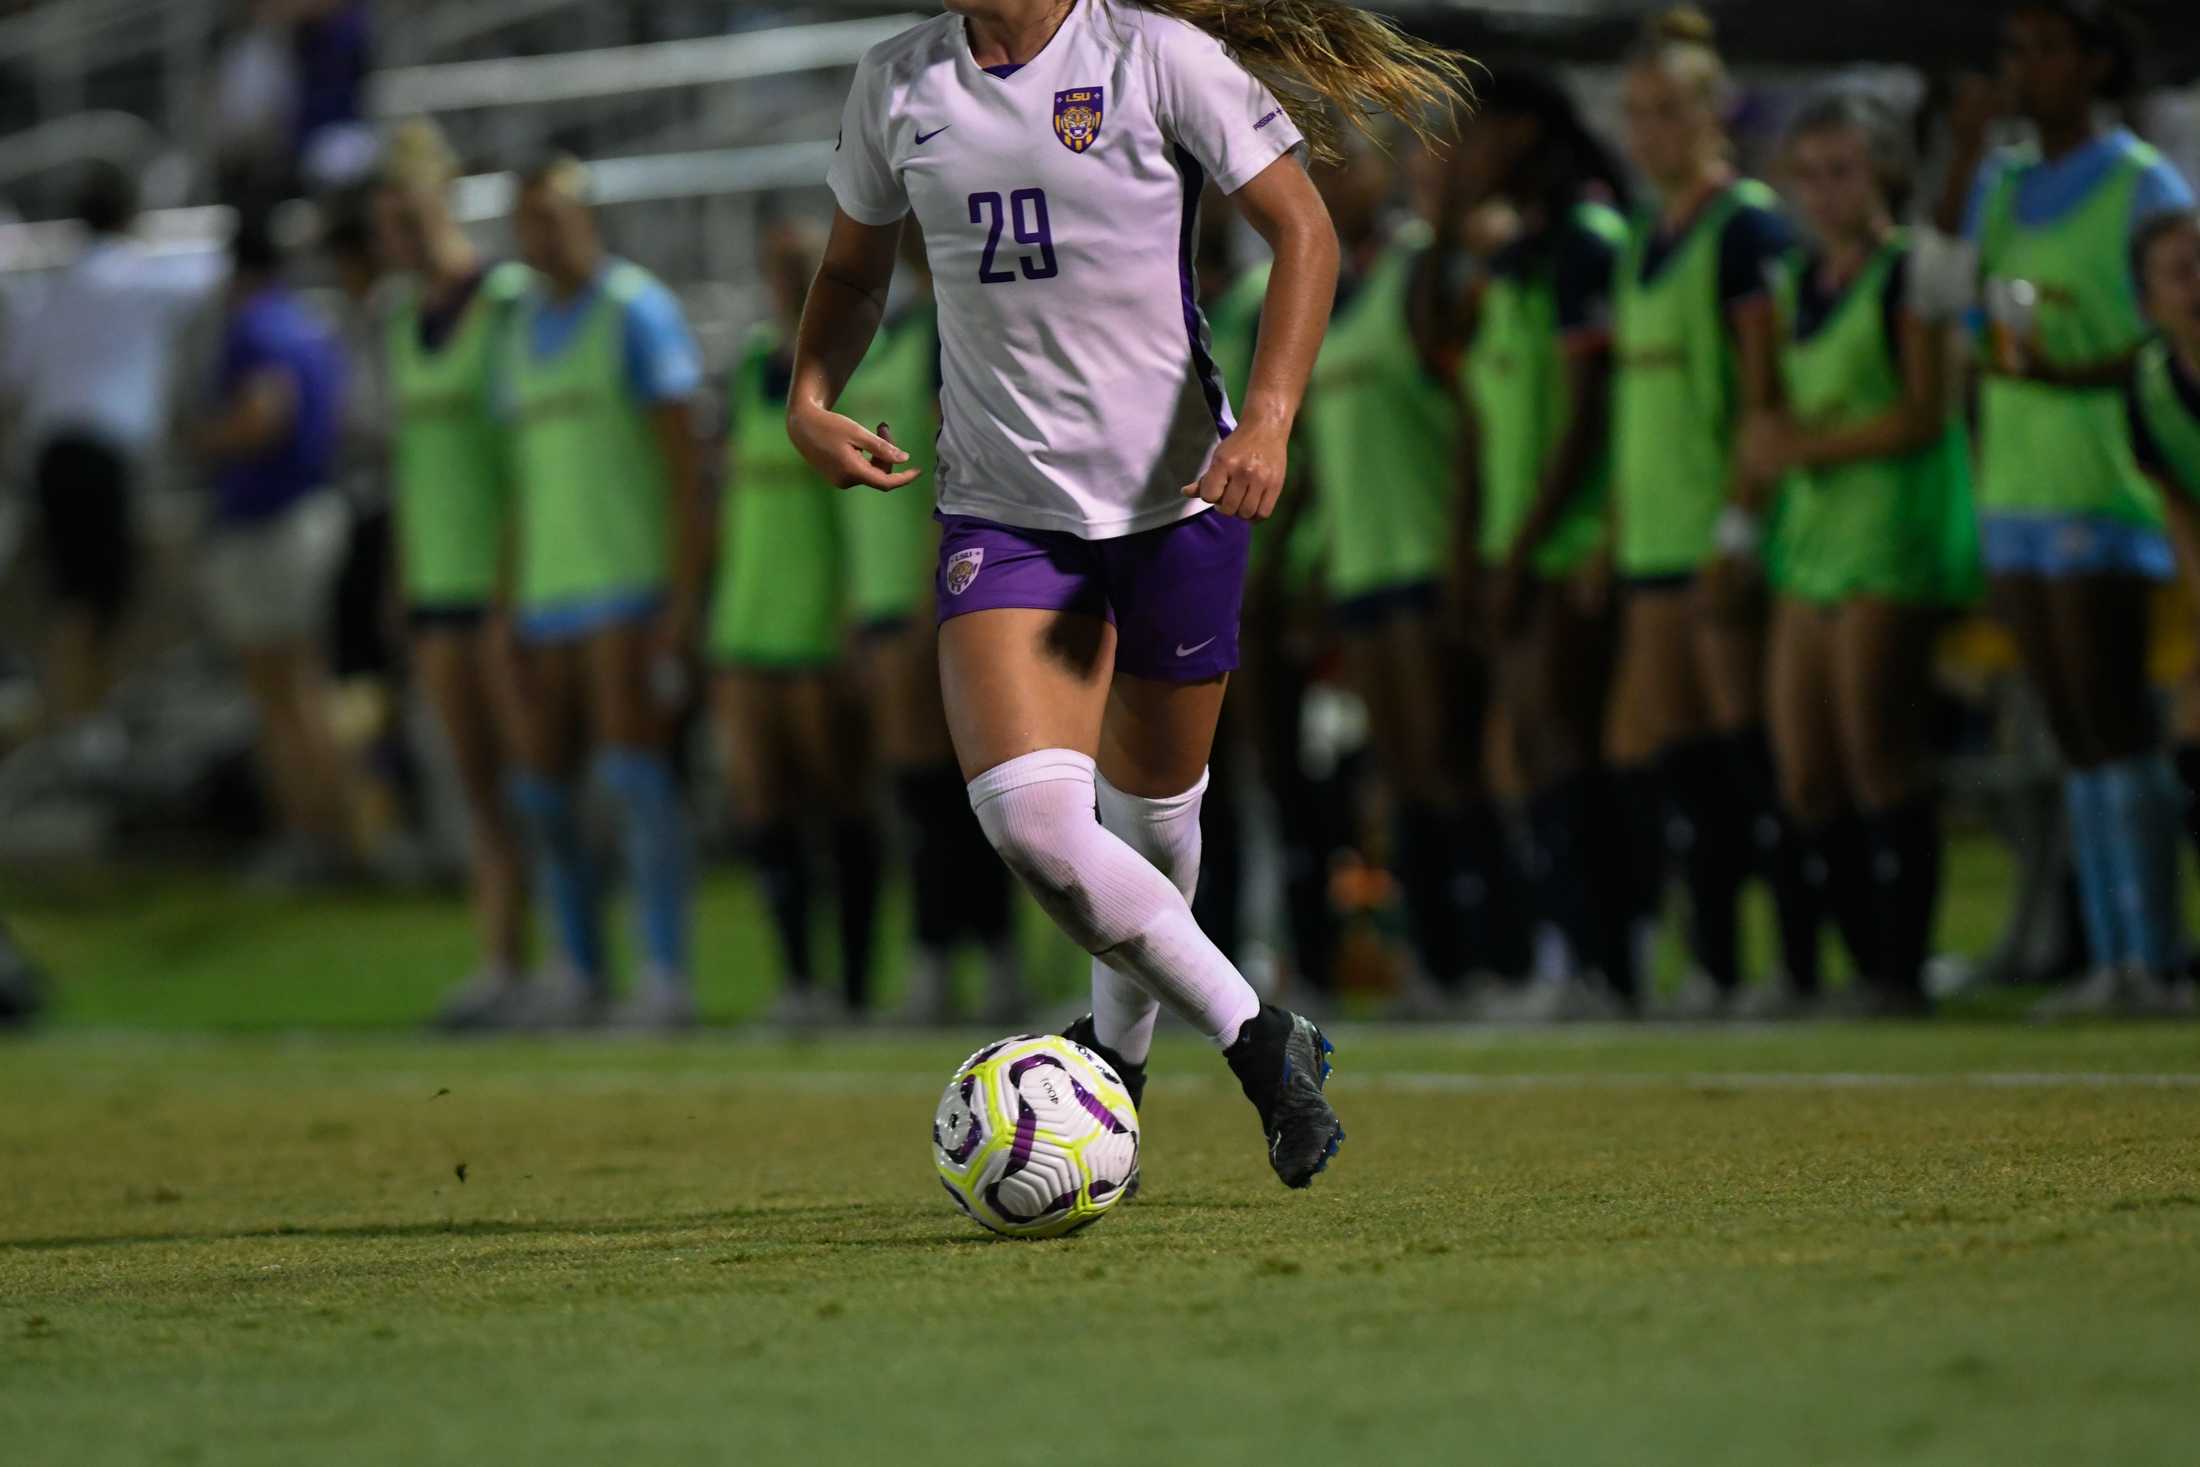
x=656, y=852
x=2140, y=845
x=2096, y=879
x=551, y=811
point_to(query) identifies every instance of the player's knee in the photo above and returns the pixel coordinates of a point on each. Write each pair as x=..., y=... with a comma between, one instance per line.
x=1038, y=812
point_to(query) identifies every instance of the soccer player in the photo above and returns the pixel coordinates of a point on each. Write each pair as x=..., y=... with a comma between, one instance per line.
x=1875, y=538
x=449, y=478
x=890, y=552
x=1382, y=430
x=275, y=541
x=2071, y=530
x=1537, y=376
x=776, y=642
x=604, y=594
x=2164, y=409
x=1694, y=357
x=1096, y=486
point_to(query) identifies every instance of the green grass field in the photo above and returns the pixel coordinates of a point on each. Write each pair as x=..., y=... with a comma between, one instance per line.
x=225, y=1241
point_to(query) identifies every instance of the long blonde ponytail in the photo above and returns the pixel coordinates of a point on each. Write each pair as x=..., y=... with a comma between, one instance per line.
x=1325, y=59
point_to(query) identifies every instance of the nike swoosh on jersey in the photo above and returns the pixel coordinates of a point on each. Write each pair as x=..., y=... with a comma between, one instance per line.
x=925, y=137
x=1184, y=651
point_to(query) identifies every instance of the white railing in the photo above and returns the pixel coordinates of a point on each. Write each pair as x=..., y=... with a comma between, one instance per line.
x=479, y=199
x=619, y=70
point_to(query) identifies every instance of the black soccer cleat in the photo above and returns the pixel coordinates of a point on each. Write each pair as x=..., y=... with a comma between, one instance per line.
x=1084, y=1032
x=1282, y=1061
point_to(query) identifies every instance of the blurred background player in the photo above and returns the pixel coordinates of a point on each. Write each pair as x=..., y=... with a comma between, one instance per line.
x=2071, y=530
x=450, y=472
x=1694, y=358
x=275, y=538
x=1537, y=378
x=2164, y=408
x=782, y=698
x=87, y=366
x=606, y=586
x=1875, y=539
x=1382, y=433
x=1096, y=532
x=959, y=890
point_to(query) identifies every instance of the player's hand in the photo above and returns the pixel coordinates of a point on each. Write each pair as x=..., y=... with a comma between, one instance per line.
x=1767, y=451
x=1246, y=477
x=847, y=453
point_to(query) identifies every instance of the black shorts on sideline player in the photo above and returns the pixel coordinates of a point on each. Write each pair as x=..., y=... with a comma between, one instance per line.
x=83, y=488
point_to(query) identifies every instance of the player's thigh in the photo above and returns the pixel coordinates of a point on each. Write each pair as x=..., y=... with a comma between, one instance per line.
x=2024, y=607
x=1805, y=729
x=1015, y=681
x=1730, y=653
x=622, y=710
x=1882, y=676
x=1658, y=699
x=552, y=686
x=448, y=662
x=748, y=715
x=2103, y=627
x=1565, y=680
x=1157, y=737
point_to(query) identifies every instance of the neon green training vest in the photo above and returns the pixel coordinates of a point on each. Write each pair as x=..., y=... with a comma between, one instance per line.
x=592, y=488
x=448, y=465
x=778, y=600
x=2176, y=432
x=891, y=544
x=2049, y=450
x=1894, y=529
x=1516, y=372
x=1675, y=393
x=1383, y=433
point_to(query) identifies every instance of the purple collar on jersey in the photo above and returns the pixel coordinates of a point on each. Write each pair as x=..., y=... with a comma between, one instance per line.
x=1005, y=72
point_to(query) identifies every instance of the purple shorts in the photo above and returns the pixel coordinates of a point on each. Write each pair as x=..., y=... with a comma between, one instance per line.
x=1173, y=594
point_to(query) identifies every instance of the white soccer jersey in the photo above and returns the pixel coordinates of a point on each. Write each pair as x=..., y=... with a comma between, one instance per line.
x=1060, y=205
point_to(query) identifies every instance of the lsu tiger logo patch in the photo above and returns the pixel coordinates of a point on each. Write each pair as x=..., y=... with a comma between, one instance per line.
x=1078, y=114
x=962, y=569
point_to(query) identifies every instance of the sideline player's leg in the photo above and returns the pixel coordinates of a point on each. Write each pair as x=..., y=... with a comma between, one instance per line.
x=633, y=738
x=453, y=663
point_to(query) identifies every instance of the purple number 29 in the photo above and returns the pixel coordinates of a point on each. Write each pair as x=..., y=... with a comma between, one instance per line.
x=1026, y=210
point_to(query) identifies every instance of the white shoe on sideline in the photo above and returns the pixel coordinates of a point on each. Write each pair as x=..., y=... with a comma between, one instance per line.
x=2098, y=995
x=663, y=1003
x=557, y=998
x=490, y=999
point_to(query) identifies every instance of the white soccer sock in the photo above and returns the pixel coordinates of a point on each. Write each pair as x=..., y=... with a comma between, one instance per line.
x=1166, y=833
x=1039, y=813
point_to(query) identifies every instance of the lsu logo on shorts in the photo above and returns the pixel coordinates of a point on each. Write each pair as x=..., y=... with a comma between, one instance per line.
x=962, y=569
x=1077, y=116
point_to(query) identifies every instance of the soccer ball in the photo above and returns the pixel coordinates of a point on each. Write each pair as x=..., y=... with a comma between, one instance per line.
x=1035, y=1137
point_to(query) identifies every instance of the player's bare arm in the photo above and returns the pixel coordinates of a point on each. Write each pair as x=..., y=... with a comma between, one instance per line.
x=846, y=304
x=1281, y=204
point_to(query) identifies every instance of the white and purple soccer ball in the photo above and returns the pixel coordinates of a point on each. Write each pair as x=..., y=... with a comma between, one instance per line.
x=1035, y=1137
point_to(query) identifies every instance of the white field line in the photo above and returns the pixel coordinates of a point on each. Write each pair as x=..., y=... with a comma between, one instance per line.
x=458, y=1082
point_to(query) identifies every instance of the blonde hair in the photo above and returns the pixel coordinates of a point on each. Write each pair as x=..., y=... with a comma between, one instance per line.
x=1327, y=60
x=419, y=157
x=1684, y=43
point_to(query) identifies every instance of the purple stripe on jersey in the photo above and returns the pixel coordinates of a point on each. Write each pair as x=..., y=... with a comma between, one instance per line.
x=1187, y=239
x=1006, y=71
